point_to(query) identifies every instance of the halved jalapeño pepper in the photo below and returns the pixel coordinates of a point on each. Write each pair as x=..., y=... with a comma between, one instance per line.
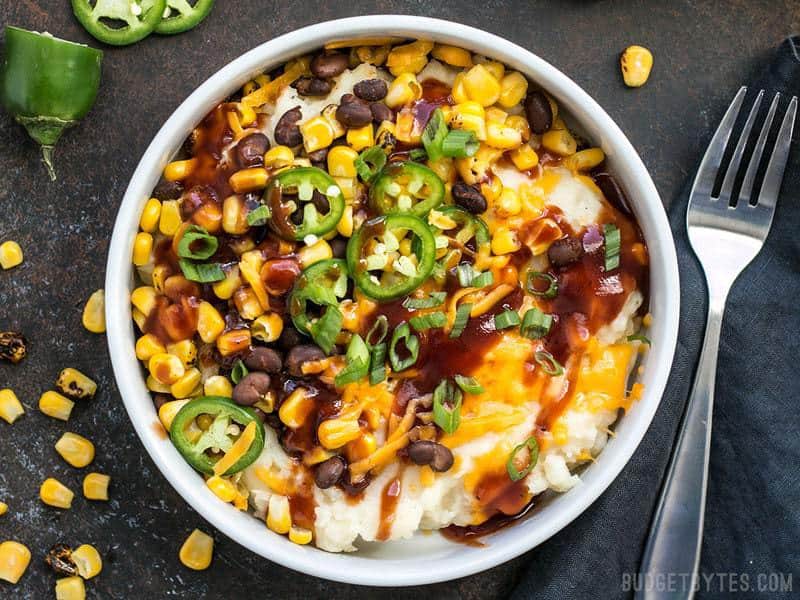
x=202, y=432
x=319, y=287
x=304, y=201
x=390, y=256
x=406, y=187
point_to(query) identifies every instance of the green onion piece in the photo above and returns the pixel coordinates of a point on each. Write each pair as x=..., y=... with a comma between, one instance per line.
x=612, y=246
x=552, y=284
x=429, y=321
x=549, y=364
x=462, y=316
x=196, y=243
x=377, y=372
x=433, y=300
x=638, y=337
x=447, y=406
x=357, y=362
x=482, y=279
x=506, y=319
x=434, y=134
x=238, y=372
x=465, y=273
x=533, y=456
x=417, y=154
x=470, y=385
x=201, y=272
x=369, y=163
x=379, y=328
x=326, y=328
x=402, y=333
x=259, y=216
x=460, y=143
x=536, y=324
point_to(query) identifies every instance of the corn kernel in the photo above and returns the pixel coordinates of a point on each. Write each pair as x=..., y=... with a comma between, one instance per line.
x=496, y=114
x=361, y=137
x=373, y=55
x=3, y=508
x=508, y=204
x=55, y=405
x=233, y=341
x=636, y=63
x=144, y=298
x=210, y=323
x=452, y=55
x=585, y=159
x=279, y=515
x=329, y=114
x=461, y=119
x=267, y=328
x=217, y=385
x=75, y=384
x=513, y=88
x=10, y=254
x=501, y=136
x=300, y=535
x=407, y=128
x=296, y=408
x=524, y=157
x=54, y=493
x=95, y=486
x=317, y=134
x=521, y=124
x=75, y=449
x=94, y=313
x=408, y=58
x=180, y=169
x=170, y=218
x=147, y=346
x=209, y=217
x=166, y=368
x=142, y=247
x=345, y=225
x=278, y=157
x=320, y=250
x=14, y=561
x=234, y=216
x=155, y=386
x=459, y=92
x=497, y=69
x=222, y=488
x=184, y=387
x=247, y=303
x=248, y=180
x=197, y=550
x=403, y=90
x=10, y=406
x=335, y=433
x=186, y=350
x=341, y=161
x=151, y=213
x=225, y=289
x=361, y=447
x=481, y=86
x=505, y=241
x=559, y=141
x=168, y=410
x=87, y=560
x=70, y=588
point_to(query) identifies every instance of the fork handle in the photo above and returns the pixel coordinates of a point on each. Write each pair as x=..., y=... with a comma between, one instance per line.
x=676, y=532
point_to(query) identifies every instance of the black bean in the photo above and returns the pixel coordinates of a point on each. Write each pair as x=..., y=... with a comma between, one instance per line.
x=538, y=111
x=565, y=251
x=381, y=112
x=328, y=65
x=426, y=452
x=168, y=190
x=469, y=198
x=251, y=149
x=371, y=90
x=612, y=191
x=287, y=131
x=319, y=158
x=320, y=202
x=338, y=247
x=329, y=473
x=263, y=359
x=252, y=388
x=353, y=488
x=312, y=86
x=160, y=400
x=354, y=114
x=290, y=337
x=299, y=355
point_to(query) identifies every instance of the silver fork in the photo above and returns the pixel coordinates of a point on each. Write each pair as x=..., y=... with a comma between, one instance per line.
x=726, y=233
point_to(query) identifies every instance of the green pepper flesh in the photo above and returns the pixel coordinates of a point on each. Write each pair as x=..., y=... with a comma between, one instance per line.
x=406, y=187
x=183, y=16
x=323, y=284
x=137, y=26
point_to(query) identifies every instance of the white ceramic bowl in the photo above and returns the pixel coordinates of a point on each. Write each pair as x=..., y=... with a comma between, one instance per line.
x=424, y=558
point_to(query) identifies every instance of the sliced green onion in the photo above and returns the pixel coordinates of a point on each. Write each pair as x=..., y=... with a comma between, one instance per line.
x=638, y=337
x=429, y=321
x=552, y=284
x=402, y=333
x=482, y=279
x=447, y=406
x=549, y=364
x=506, y=319
x=377, y=357
x=470, y=385
x=612, y=246
x=465, y=273
x=434, y=134
x=533, y=456
x=460, y=143
x=259, y=216
x=238, y=372
x=369, y=163
x=196, y=243
x=379, y=328
x=357, y=362
x=462, y=316
x=417, y=154
x=326, y=328
x=536, y=324
x=201, y=272
x=433, y=300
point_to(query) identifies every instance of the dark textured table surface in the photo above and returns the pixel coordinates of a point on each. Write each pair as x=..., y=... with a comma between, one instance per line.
x=702, y=51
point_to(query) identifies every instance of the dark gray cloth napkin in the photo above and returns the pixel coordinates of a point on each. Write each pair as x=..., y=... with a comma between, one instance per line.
x=752, y=530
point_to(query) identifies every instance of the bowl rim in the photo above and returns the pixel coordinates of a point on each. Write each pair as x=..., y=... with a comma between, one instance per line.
x=352, y=568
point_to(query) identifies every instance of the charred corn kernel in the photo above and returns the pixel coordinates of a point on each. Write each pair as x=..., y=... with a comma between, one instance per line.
x=95, y=486
x=267, y=328
x=361, y=447
x=180, y=169
x=469, y=122
x=585, y=159
x=452, y=55
x=481, y=85
x=636, y=63
x=87, y=560
x=408, y=58
x=142, y=247
x=403, y=90
x=185, y=350
x=407, y=128
x=197, y=551
x=160, y=275
x=361, y=137
x=75, y=449
x=168, y=410
x=225, y=289
x=345, y=225
x=508, y=204
x=444, y=168
x=505, y=241
x=209, y=217
x=247, y=303
x=94, y=313
x=55, y=405
x=335, y=433
x=559, y=141
x=373, y=55
x=317, y=134
x=521, y=124
x=329, y=114
x=3, y=508
x=184, y=387
x=166, y=368
x=147, y=346
x=513, y=88
x=14, y=561
x=296, y=408
x=144, y=298
x=248, y=180
x=70, y=588
x=492, y=188
x=384, y=136
x=278, y=157
x=75, y=384
x=300, y=535
x=279, y=515
x=150, y=215
x=233, y=341
x=459, y=92
x=341, y=161
x=320, y=250
x=10, y=406
x=10, y=254
x=496, y=114
x=210, y=323
x=170, y=218
x=155, y=386
x=139, y=318
x=222, y=488
x=524, y=157
x=217, y=385
x=54, y=493
x=501, y=136
x=234, y=216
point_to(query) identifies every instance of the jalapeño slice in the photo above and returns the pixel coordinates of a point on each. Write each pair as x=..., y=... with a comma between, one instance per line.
x=303, y=201
x=320, y=286
x=117, y=22
x=182, y=16
x=406, y=187
x=469, y=228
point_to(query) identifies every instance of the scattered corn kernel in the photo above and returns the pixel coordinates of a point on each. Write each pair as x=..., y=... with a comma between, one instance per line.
x=70, y=588
x=585, y=159
x=168, y=410
x=300, y=535
x=222, y=488
x=87, y=559
x=10, y=254
x=10, y=406
x=481, y=86
x=94, y=313
x=54, y=493
x=636, y=63
x=187, y=384
x=76, y=385
x=75, y=449
x=452, y=55
x=267, y=328
x=341, y=161
x=55, y=405
x=3, y=508
x=513, y=88
x=170, y=218
x=180, y=169
x=95, y=486
x=197, y=550
x=279, y=516
x=296, y=408
x=14, y=561
x=524, y=157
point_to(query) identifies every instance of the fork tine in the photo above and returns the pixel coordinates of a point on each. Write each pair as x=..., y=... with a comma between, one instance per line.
x=755, y=160
x=733, y=168
x=707, y=173
x=777, y=162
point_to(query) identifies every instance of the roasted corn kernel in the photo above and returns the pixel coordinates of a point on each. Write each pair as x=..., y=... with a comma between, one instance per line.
x=209, y=217
x=329, y=114
x=585, y=159
x=14, y=561
x=320, y=250
x=75, y=449
x=233, y=341
x=267, y=328
x=168, y=410
x=505, y=241
x=403, y=90
x=87, y=560
x=197, y=550
x=185, y=350
x=170, y=218
x=210, y=323
x=144, y=298
x=234, y=216
x=294, y=410
x=95, y=486
x=249, y=180
x=636, y=63
x=341, y=161
x=345, y=225
x=142, y=247
x=180, y=169
x=225, y=289
x=54, y=493
x=222, y=488
x=10, y=406
x=361, y=137
x=70, y=588
x=187, y=384
x=452, y=55
x=317, y=134
x=150, y=215
x=300, y=535
x=278, y=157
x=508, y=204
x=55, y=405
x=409, y=58
x=247, y=303
x=559, y=141
x=155, y=386
x=524, y=157
x=217, y=385
x=166, y=368
x=501, y=136
x=407, y=128
x=147, y=346
x=94, y=313
x=481, y=85
x=74, y=384
x=496, y=68
x=513, y=88
x=3, y=508
x=459, y=92
x=279, y=515
x=10, y=254
x=335, y=433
